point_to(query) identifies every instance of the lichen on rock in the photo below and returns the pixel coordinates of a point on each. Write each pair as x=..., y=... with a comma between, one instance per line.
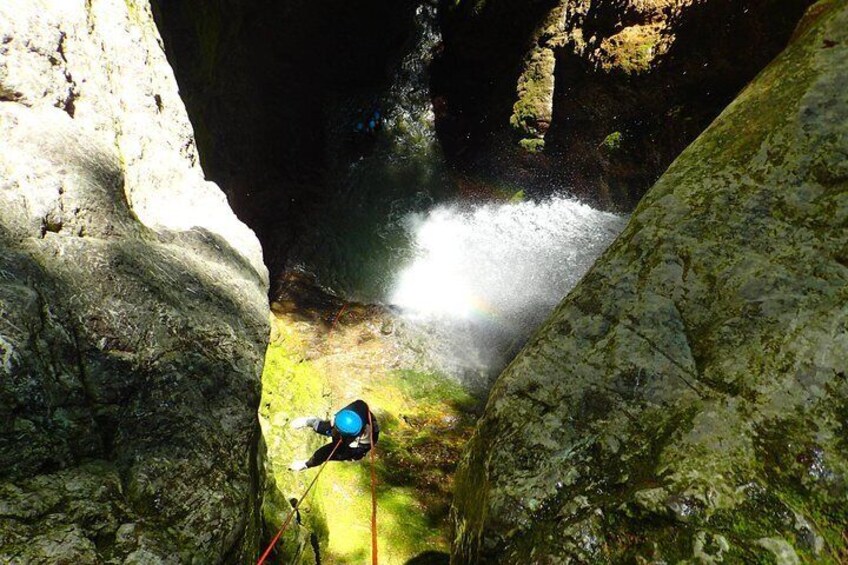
x=133, y=317
x=686, y=402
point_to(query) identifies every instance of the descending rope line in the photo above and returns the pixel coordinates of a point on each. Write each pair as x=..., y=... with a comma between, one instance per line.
x=373, y=493
x=336, y=318
x=297, y=505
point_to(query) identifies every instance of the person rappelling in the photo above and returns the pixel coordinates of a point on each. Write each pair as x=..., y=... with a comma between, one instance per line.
x=352, y=430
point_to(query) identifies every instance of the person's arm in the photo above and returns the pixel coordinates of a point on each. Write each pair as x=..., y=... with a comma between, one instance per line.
x=324, y=427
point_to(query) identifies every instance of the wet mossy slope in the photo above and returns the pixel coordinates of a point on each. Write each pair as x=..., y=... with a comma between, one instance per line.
x=315, y=368
x=687, y=401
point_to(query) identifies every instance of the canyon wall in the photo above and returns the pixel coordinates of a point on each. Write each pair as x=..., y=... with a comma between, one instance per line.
x=133, y=305
x=593, y=97
x=686, y=402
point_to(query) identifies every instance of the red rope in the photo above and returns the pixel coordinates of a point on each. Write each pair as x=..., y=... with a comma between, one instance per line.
x=297, y=505
x=373, y=493
x=338, y=315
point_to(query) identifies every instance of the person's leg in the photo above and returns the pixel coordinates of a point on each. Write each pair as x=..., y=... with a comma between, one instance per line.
x=358, y=453
x=343, y=453
x=321, y=454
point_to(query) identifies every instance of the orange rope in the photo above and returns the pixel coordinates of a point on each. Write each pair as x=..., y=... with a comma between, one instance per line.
x=373, y=493
x=296, y=506
x=338, y=315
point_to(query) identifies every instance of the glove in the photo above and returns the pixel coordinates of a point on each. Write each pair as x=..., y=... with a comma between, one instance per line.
x=304, y=422
x=297, y=466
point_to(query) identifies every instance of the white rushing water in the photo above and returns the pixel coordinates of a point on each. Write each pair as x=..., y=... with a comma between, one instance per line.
x=484, y=277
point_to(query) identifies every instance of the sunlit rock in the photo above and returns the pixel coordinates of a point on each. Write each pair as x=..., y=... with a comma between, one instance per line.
x=687, y=400
x=133, y=315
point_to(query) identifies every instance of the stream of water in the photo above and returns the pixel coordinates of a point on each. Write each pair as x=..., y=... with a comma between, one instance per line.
x=470, y=281
x=482, y=278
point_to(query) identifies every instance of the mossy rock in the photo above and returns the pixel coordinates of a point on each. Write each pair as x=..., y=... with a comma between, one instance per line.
x=686, y=402
x=612, y=142
x=425, y=419
x=532, y=145
x=532, y=113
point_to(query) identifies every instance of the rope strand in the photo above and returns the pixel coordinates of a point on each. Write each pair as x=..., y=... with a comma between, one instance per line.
x=373, y=493
x=296, y=506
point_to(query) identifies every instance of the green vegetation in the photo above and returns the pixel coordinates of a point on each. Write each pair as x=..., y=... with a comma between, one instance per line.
x=532, y=145
x=532, y=112
x=612, y=142
x=425, y=420
x=519, y=196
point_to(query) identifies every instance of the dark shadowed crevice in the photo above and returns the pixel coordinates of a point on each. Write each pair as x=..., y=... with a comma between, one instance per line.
x=257, y=79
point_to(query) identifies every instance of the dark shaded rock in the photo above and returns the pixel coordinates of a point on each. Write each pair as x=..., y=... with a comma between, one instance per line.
x=531, y=91
x=686, y=402
x=133, y=317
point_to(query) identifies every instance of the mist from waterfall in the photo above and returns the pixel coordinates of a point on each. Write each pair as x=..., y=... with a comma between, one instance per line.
x=483, y=277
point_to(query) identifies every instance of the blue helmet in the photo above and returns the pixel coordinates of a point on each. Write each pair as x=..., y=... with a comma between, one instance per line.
x=348, y=422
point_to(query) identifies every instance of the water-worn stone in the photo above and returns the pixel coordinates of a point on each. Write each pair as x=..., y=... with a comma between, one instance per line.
x=687, y=401
x=133, y=311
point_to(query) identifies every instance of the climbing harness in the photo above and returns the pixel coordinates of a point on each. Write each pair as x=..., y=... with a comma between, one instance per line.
x=296, y=506
x=373, y=492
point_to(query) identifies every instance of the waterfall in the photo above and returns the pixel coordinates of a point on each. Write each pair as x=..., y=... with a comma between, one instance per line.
x=470, y=281
x=374, y=179
x=483, y=277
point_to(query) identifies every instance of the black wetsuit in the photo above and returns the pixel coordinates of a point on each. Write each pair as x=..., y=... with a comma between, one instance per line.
x=352, y=448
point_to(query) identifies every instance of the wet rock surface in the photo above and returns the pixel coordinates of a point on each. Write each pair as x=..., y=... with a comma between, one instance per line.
x=686, y=402
x=325, y=353
x=276, y=92
x=593, y=97
x=133, y=317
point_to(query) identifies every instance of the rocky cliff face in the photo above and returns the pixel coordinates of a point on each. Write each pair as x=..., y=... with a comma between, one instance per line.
x=687, y=400
x=133, y=311
x=596, y=97
x=592, y=97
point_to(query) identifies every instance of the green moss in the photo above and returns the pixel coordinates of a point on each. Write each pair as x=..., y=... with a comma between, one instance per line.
x=425, y=420
x=633, y=49
x=519, y=196
x=532, y=145
x=612, y=142
x=533, y=111
x=720, y=298
x=135, y=13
